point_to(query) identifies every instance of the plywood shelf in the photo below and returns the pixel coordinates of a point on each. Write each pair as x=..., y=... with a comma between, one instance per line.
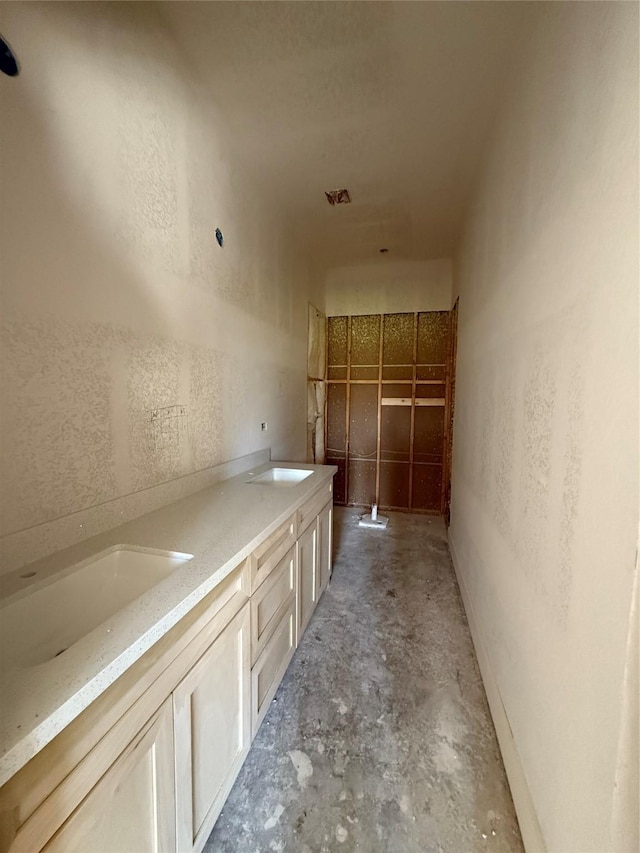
x=408, y=382
x=409, y=401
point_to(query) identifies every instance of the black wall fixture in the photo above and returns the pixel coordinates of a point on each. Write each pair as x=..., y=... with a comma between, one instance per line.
x=8, y=61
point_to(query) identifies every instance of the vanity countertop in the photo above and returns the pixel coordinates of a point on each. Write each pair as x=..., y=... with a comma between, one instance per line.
x=220, y=526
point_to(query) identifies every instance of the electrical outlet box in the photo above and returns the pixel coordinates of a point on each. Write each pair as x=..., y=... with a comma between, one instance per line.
x=264, y=426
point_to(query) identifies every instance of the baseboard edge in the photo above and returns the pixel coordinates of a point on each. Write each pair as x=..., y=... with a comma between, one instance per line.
x=527, y=818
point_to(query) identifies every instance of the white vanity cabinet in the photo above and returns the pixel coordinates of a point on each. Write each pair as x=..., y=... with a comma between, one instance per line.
x=286, y=590
x=148, y=765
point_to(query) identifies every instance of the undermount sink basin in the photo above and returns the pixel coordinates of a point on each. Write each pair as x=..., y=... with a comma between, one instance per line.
x=281, y=477
x=41, y=625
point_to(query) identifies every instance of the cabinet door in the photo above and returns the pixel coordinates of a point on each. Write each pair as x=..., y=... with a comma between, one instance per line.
x=212, y=719
x=132, y=807
x=307, y=575
x=325, y=528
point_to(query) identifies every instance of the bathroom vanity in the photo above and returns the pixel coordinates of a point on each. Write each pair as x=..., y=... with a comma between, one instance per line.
x=129, y=737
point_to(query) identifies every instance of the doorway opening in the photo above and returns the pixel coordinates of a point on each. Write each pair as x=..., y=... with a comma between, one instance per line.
x=389, y=409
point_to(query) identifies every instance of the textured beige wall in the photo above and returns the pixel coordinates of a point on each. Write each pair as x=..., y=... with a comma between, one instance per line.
x=545, y=460
x=116, y=299
x=387, y=286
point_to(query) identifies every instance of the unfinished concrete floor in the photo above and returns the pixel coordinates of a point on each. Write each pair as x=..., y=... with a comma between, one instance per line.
x=379, y=739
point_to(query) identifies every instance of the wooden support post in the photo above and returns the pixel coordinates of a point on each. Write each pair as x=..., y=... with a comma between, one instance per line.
x=348, y=415
x=379, y=436
x=413, y=408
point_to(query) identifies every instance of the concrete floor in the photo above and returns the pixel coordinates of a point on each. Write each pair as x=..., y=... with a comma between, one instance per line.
x=379, y=739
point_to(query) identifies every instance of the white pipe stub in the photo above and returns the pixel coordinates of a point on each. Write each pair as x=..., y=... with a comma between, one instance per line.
x=372, y=519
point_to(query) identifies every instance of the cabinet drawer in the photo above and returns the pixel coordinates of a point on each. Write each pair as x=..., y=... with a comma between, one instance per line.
x=267, y=555
x=267, y=673
x=235, y=587
x=308, y=512
x=270, y=602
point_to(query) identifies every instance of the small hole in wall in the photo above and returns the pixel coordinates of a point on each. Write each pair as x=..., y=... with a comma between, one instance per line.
x=220, y=237
x=29, y=575
x=8, y=61
x=383, y=251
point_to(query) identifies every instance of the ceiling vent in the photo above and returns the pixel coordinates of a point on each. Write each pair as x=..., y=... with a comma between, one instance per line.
x=338, y=197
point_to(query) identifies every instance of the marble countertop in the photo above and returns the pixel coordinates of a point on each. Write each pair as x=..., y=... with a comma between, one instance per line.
x=219, y=525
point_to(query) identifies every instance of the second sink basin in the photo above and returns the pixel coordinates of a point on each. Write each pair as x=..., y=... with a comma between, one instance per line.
x=282, y=477
x=41, y=625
